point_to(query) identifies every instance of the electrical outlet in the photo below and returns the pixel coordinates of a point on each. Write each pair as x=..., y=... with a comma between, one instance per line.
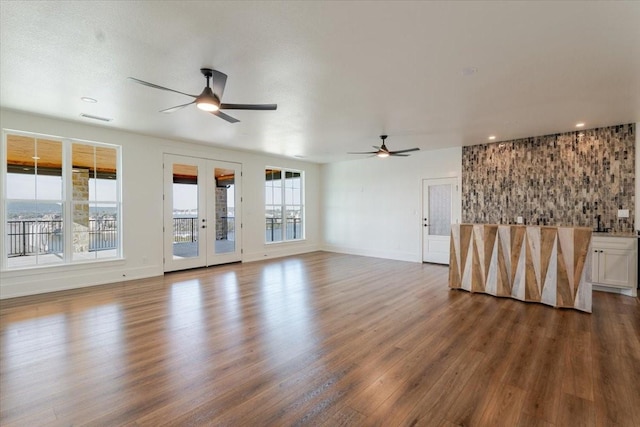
x=623, y=213
x=520, y=220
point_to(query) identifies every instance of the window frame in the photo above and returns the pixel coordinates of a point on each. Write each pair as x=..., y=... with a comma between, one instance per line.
x=283, y=204
x=67, y=202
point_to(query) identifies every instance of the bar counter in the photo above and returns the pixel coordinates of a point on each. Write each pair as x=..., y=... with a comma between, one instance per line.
x=544, y=264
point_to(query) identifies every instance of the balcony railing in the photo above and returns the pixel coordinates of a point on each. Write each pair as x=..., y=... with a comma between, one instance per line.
x=35, y=236
x=185, y=230
x=293, y=229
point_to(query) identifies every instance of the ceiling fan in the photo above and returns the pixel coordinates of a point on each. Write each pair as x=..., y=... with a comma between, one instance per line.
x=209, y=99
x=383, y=151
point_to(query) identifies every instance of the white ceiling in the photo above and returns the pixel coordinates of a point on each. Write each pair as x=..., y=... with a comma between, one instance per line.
x=341, y=73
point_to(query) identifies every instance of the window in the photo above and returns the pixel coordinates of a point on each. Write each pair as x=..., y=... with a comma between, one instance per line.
x=61, y=201
x=284, y=205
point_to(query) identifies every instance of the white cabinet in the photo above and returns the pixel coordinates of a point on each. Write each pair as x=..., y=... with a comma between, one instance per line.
x=614, y=261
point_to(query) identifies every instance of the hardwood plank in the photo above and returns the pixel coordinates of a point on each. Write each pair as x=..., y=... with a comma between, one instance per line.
x=315, y=339
x=576, y=412
x=577, y=375
x=503, y=406
x=544, y=393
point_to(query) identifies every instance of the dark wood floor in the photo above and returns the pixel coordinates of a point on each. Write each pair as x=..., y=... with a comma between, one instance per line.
x=317, y=339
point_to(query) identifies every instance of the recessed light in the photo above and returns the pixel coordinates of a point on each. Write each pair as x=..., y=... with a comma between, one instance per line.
x=89, y=100
x=492, y=137
x=579, y=125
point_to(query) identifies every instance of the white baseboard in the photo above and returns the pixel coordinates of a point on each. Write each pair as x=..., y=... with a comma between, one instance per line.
x=395, y=255
x=627, y=292
x=278, y=251
x=34, y=283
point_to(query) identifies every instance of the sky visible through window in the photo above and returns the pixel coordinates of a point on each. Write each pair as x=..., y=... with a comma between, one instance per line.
x=185, y=196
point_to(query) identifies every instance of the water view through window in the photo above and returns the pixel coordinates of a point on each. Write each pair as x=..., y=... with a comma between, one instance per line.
x=57, y=212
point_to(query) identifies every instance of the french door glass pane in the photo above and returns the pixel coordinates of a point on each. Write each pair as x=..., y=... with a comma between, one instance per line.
x=440, y=210
x=225, y=211
x=185, y=211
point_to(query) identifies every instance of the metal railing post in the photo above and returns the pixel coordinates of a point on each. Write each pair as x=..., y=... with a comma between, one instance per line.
x=24, y=239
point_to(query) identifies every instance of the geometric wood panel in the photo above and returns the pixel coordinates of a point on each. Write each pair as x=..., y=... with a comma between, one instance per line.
x=529, y=263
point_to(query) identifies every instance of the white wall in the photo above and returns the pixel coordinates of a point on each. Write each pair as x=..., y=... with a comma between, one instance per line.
x=142, y=206
x=373, y=206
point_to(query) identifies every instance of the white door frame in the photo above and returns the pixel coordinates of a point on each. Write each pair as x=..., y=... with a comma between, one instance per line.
x=206, y=221
x=435, y=249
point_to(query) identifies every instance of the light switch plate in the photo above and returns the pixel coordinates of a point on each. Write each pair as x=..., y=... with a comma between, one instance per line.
x=623, y=213
x=519, y=220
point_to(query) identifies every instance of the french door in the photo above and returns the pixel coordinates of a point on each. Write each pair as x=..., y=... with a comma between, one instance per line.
x=201, y=212
x=438, y=213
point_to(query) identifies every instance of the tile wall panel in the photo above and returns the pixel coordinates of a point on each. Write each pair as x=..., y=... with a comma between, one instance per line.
x=566, y=179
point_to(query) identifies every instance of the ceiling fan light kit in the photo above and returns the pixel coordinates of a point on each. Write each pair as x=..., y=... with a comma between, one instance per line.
x=383, y=151
x=209, y=99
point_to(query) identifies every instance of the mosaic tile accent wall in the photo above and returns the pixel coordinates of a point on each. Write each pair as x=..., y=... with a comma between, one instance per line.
x=566, y=179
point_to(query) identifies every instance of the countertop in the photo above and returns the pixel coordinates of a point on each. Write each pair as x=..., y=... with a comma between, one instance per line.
x=627, y=234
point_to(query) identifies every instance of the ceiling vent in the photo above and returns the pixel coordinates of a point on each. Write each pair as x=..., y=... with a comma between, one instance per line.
x=89, y=116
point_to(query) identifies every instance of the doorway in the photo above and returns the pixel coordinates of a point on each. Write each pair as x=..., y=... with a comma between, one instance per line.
x=439, y=211
x=202, y=212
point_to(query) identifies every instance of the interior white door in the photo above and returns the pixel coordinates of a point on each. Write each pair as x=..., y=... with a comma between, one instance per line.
x=201, y=212
x=439, y=211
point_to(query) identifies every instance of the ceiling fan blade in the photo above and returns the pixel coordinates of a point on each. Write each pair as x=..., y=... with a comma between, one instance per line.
x=219, y=81
x=142, y=82
x=364, y=152
x=225, y=116
x=224, y=106
x=408, y=150
x=177, y=107
x=399, y=155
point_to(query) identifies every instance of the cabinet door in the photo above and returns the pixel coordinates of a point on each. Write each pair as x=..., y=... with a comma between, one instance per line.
x=615, y=267
x=595, y=266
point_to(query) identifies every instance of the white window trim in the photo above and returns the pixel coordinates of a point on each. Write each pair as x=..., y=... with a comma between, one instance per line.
x=283, y=205
x=67, y=202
